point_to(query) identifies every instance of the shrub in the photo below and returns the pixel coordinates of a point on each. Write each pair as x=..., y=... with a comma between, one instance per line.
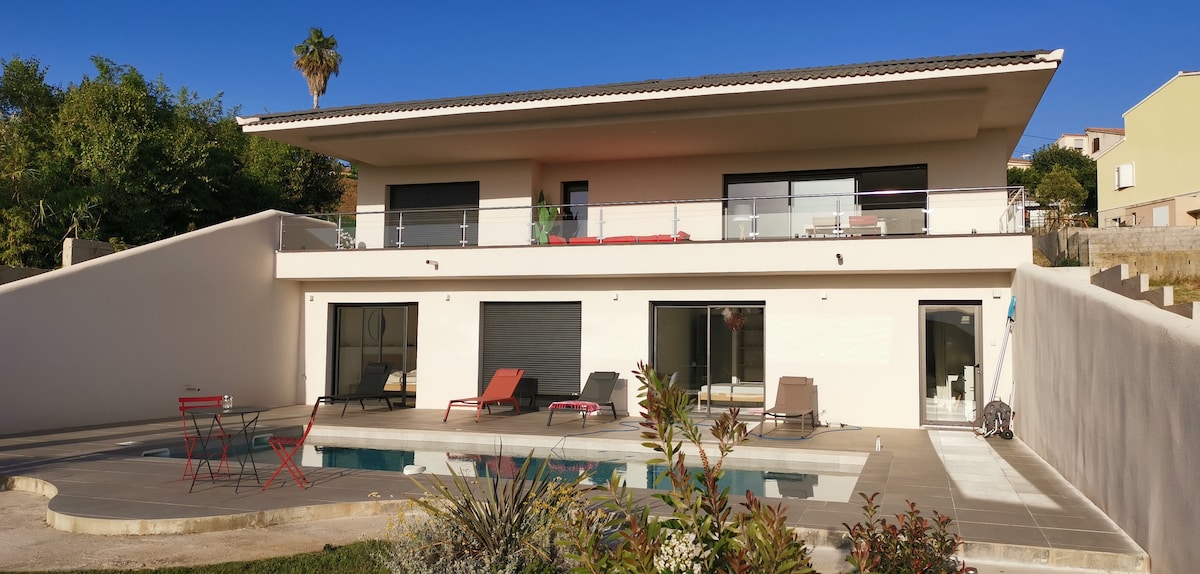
x=914, y=545
x=486, y=525
x=701, y=534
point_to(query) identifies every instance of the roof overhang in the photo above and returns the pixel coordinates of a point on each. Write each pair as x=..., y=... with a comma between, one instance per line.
x=923, y=105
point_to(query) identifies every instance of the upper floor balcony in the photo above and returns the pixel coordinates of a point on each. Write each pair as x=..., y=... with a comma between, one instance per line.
x=874, y=232
x=838, y=216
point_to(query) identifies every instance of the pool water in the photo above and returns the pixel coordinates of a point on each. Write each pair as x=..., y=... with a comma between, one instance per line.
x=775, y=480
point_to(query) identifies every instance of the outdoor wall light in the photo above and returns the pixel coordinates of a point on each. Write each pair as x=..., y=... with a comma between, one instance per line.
x=433, y=263
x=839, y=258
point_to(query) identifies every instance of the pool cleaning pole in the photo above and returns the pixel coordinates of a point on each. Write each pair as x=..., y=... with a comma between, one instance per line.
x=1008, y=326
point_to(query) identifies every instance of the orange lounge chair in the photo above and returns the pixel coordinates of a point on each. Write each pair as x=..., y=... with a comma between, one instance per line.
x=499, y=390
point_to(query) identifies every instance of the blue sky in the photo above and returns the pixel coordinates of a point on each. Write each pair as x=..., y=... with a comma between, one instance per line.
x=1116, y=52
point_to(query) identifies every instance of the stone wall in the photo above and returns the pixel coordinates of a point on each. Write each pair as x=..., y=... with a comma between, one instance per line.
x=1160, y=252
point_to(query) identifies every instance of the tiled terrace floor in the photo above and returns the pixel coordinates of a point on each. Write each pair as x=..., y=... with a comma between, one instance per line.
x=1008, y=505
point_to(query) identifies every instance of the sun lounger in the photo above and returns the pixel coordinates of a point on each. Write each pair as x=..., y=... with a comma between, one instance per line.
x=499, y=390
x=370, y=387
x=597, y=392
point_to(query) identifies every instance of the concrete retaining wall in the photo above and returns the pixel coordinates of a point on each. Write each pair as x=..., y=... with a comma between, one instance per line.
x=1106, y=393
x=10, y=274
x=1161, y=252
x=120, y=338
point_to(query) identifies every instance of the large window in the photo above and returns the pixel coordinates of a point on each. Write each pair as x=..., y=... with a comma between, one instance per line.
x=433, y=214
x=880, y=200
x=715, y=350
x=365, y=334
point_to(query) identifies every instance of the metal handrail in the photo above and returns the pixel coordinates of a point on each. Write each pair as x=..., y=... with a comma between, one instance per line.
x=346, y=232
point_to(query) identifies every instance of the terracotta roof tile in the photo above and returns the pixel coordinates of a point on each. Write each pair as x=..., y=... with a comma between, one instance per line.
x=648, y=86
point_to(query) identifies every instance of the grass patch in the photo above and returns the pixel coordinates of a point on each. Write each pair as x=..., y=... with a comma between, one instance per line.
x=357, y=558
x=1187, y=289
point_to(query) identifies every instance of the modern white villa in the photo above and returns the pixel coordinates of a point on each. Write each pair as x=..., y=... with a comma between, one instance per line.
x=846, y=223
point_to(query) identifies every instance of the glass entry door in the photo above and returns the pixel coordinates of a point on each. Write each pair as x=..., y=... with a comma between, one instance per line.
x=715, y=351
x=375, y=334
x=951, y=345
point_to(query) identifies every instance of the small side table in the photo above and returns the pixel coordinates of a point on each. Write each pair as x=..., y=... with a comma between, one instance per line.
x=249, y=421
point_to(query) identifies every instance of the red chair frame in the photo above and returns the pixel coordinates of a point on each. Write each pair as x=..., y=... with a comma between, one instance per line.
x=286, y=447
x=190, y=439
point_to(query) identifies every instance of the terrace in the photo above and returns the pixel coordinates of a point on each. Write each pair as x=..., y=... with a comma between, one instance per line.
x=895, y=213
x=1007, y=503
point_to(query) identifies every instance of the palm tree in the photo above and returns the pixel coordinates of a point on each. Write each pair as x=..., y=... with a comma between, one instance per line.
x=317, y=59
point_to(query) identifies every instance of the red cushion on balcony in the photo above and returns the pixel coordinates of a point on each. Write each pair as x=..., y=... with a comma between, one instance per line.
x=682, y=236
x=556, y=240
x=583, y=240
x=655, y=239
x=621, y=239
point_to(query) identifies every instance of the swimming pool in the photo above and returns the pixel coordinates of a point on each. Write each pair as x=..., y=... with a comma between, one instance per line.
x=765, y=478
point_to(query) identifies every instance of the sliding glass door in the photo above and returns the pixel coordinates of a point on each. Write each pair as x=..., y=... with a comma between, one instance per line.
x=714, y=350
x=950, y=350
x=375, y=334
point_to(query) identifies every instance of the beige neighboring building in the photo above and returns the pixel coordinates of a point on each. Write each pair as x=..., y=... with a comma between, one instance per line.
x=1019, y=162
x=1152, y=177
x=1092, y=142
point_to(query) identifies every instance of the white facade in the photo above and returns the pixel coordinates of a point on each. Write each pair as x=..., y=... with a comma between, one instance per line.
x=896, y=309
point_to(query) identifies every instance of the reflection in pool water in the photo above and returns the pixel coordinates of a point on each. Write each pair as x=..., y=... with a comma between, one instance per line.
x=775, y=483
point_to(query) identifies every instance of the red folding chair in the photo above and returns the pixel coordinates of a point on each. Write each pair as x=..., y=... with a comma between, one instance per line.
x=191, y=439
x=286, y=448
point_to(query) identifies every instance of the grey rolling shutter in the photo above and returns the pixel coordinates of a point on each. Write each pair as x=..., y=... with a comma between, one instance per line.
x=542, y=338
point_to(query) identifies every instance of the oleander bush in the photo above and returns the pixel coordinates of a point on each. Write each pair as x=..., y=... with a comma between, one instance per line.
x=485, y=524
x=701, y=533
x=914, y=544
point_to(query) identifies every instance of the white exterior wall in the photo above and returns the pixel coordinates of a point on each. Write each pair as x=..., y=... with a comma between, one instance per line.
x=856, y=335
x=1107, y=394
x=118, y=339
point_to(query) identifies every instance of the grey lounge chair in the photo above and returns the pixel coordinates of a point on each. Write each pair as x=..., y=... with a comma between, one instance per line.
x=597, y=389
x=370, y=387
x=795, y=398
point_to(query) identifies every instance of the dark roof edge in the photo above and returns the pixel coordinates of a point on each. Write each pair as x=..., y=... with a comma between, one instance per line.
x=646, y=86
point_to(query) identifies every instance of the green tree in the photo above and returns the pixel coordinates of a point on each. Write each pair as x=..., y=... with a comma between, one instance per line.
x=1081, y=167
x=120, y=158
x=1060, y=189
x=317, y=59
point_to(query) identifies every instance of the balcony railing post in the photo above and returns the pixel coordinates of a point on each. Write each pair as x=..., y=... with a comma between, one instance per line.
x=601, y=210
x=753, y=219
x=675, y=220
x=340, y=231
x=399, y=229
x=281, y=223
x=462, y=242
x=837, y=216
